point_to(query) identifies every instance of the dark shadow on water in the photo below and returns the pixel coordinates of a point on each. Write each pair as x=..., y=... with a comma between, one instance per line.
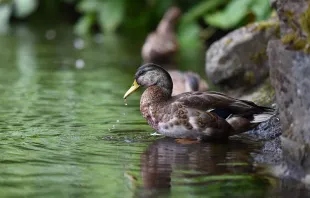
x=213, y=169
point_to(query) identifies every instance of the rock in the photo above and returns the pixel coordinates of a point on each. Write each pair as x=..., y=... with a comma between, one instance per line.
x=266, y=131
x=240, y=58
x=289, y=61
x=262, y=94
x=290, y=71
x=294, y=23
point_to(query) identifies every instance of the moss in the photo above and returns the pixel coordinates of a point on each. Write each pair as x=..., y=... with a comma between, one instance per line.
x=304, y=21
x=294, y=41
x=266, y=94
x=288, y=38
x=278, y=31
x=300, y=44
x=228, y=41
x=260, y=56
x=249, y=77
x=290, y=19
x=265, y=25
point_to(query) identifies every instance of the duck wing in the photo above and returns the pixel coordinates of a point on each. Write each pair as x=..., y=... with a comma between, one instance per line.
x=224, y=106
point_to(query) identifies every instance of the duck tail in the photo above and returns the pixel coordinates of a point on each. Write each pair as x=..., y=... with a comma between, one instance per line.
x=265, y=114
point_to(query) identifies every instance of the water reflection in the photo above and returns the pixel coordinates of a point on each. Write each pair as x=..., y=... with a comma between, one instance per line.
x=213, y=169
x=65, y=132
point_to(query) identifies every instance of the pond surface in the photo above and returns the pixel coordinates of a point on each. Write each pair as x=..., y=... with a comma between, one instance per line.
x=65, y=131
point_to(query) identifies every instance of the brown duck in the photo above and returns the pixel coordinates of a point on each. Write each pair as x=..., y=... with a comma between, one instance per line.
x=161, y=45
x=193, y=115
x=186, y=81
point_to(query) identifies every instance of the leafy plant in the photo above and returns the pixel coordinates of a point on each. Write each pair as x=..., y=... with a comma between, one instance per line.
x=143, y=15
x=236, y=11
x=22, y=8
x=108, y=14
x=221, y=14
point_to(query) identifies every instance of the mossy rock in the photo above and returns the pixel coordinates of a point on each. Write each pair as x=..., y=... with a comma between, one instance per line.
x=296, y=26
x=239, y=59
x=262, y=95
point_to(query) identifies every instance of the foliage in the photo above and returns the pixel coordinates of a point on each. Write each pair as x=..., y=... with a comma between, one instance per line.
x=124, y=14
x=5, y=12
x=22, y=8
x=109, y=15
x=236, y=11
x=143, y=15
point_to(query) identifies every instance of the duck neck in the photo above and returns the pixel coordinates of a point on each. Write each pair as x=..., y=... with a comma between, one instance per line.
x=167, y=24
x=165, y=27
x=155, y=94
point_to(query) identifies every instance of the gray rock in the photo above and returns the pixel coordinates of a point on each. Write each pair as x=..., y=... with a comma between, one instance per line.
x=266, y=131
x=262, y=94
x=239, y=58
x=294, y=16
x=289, y=73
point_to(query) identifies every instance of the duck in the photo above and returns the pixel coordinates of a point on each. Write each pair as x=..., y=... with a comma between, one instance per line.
x=161, y=45
x=197, y=116
x=186, y=81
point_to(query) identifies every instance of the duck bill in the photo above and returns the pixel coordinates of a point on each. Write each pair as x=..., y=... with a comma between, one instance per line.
x=132, y=89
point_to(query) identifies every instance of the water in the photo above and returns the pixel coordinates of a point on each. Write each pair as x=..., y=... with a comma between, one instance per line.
x=65, y=131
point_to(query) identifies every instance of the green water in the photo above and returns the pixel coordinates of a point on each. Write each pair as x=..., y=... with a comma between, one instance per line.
x=65, y=131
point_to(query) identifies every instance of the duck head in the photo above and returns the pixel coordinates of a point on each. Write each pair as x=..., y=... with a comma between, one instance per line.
x=151, y=75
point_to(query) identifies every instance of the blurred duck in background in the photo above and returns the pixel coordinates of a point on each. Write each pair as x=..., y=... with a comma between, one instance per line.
x=161, y=46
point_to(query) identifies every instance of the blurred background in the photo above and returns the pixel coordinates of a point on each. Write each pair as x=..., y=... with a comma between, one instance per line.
x=201, y=19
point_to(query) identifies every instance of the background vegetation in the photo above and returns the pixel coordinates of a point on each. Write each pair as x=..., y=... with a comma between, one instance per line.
x=201, y=18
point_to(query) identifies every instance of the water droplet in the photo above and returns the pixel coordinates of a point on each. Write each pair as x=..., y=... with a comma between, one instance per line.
x=113, y=127
x=79, y=64
x=127, y=141
x=117, y=121
x=155, y=134
x=125, y=101
x=78, y=43
x=50, y=34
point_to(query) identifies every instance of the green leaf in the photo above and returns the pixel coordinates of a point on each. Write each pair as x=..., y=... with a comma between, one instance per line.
x=88, y=6
x=188, y=34
x=24, y=8
x=111, y=14
x=5, y=1
x=261, y=9
x=83, y=26
x=162, y=6
x=202, y=9
x=233, y=13
x=5, y=12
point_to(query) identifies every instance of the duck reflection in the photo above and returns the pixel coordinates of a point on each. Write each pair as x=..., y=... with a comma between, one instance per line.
x=166, y=159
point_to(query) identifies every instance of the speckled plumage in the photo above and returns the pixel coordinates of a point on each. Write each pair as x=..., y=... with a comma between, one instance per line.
x=193, y=115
